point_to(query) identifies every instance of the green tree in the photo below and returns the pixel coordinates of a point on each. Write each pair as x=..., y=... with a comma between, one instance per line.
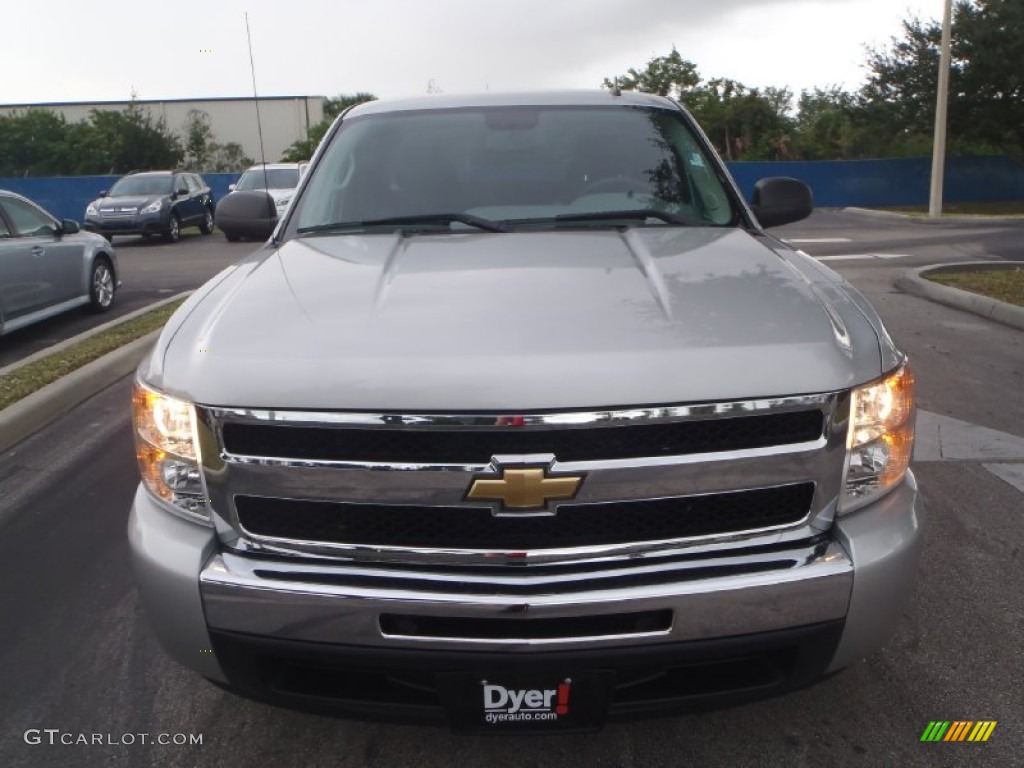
x=39, y=142
x=744, y=123
x=132, y=139
x=670, y=75
x=986, y=105
x=203, y=153
x=824, y=127
x=303, y=149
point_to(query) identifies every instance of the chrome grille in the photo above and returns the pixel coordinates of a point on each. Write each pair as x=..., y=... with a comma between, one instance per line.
x=296, y=483
x=575, y=525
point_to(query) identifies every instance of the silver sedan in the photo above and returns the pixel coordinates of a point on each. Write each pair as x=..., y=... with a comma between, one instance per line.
x=49, y=266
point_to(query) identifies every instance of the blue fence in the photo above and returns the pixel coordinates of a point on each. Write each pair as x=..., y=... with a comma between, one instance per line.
x=900, y=181
x=836, y=183
x=66, y=196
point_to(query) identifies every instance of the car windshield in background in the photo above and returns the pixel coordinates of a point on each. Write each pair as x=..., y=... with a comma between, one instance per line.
x=522, y=167
x=141, y=185
x=276, y=178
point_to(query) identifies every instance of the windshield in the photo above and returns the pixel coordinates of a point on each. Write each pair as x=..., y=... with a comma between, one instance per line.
x=522, y=167
x=276, y=178
x=141, y=185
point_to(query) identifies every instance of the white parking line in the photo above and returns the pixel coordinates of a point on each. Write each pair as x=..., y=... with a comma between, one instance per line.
x=817, y=240
x=851, y=256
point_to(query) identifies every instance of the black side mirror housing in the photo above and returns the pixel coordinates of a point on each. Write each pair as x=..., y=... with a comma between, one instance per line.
x=247, y=214
x=69, y=227
x=103, y=193
x=780, y=200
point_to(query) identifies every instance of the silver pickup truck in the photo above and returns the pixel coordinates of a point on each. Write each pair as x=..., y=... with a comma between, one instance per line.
x=520, y=420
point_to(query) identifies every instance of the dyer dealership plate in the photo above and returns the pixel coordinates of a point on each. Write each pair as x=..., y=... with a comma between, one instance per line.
x=537, y=702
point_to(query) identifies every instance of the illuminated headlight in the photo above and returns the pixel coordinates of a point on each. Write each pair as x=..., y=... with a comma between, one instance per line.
x=153, y=207
x=283, y=202
x=92, y=210
x=167, y=447
x=881, y=438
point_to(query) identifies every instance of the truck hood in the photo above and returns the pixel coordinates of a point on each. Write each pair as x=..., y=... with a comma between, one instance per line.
x=521, y=321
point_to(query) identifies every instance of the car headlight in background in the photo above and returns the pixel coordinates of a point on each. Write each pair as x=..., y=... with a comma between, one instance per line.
x=153, y=207
x=91, y=209
x=283, y=202
x=881, y=438
x=167, y=447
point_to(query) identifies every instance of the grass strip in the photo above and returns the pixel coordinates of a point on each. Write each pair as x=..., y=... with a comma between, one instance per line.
x=34, y=376
x=1002, y=284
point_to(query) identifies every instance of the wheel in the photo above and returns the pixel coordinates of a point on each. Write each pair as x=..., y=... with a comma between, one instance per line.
x=173, y=233
x=101, y=285
x=206, y=225
x=232, y=238
x=614, y=184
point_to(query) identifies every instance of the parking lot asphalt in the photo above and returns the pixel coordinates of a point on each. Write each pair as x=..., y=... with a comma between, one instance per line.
x=76, y=654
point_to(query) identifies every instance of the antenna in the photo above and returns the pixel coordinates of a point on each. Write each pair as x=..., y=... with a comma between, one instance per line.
x=256, y=99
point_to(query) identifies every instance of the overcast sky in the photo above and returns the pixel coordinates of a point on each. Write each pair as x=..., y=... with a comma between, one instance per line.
x=69, y=50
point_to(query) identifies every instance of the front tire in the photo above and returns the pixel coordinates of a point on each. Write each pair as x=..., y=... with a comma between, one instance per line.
x=101, y=285
x=173, y=233
x=206, y=225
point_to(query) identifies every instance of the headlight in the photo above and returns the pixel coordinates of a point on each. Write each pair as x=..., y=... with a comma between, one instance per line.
x=881, y=438
x=153, y=207
x=91, y=209
x=283, y=202
x=167, y=447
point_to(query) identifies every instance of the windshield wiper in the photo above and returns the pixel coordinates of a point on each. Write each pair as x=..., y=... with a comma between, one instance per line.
x=631, y=214
x=400, y=221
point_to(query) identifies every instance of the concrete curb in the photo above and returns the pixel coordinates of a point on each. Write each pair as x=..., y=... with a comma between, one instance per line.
x=60, y=346
x=944, y=219
x=30, y=414
x=913, y=282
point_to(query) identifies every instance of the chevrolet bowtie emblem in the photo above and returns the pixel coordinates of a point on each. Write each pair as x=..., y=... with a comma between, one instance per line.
x=524, y=489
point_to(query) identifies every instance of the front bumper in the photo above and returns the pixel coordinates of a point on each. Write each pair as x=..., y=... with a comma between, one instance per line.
x=139, y=224
x=797, y=611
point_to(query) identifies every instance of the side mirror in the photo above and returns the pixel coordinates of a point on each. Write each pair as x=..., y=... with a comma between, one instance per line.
x=231, y=187
x=103, y=193
x=69, y=227
x=247, y=214
x=780, y=200
x=181, y=193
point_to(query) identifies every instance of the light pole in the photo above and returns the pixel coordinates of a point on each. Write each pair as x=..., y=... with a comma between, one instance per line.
x=941, y=101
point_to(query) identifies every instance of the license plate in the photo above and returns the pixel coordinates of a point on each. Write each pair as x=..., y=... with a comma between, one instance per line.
x=503, y=701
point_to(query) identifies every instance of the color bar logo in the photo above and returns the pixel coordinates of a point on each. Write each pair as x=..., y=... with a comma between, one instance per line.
x=958, y=730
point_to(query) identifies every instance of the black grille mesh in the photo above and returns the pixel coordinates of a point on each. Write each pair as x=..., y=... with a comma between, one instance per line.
x=478, y=445
x=575, y=525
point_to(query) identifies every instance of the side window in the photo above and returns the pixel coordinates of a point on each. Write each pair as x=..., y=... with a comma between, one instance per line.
x=180, y=185
x=194, y=187
x=27, y=220
x=4, y=231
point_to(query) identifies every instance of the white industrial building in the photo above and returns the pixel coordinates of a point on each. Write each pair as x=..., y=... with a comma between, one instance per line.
x=285, y=118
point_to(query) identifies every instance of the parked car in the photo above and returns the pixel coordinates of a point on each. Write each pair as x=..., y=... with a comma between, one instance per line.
x=522, y=420
x=48, y=266
x=152, y=203
x=279, y=180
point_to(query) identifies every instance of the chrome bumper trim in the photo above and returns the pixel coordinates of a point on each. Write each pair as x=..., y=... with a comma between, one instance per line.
x=285, y=600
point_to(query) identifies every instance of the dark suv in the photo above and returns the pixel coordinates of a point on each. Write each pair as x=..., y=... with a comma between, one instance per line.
x=151, y=203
